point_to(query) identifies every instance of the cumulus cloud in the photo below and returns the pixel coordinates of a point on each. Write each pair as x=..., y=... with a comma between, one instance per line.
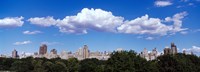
x=11, y=22
x=177, y=19
x=22, y=43
x=161, y=3
x=153, y=26
x=101, y=20
x=94, y=19
x=43, y=21
x=144, y=25
x=194, y=49
x=31, y=32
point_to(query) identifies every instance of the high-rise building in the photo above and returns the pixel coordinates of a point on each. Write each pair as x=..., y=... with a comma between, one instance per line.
x=167, y=50
x=14, y=54
x=173, y=48
x=154, y=53
x=54, y=51
x=64, y=55
x=144, y=54
x=43, y=49
x=85, y=52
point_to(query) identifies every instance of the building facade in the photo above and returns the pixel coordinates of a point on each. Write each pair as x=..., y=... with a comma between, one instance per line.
x=14, y=53
x=43, y=49
x=85, y=52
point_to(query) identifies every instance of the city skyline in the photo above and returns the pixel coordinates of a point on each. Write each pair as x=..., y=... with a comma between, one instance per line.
x=84, y=52
x=102, y=25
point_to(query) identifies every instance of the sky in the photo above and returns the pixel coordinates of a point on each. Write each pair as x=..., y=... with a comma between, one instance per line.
x=103, y=25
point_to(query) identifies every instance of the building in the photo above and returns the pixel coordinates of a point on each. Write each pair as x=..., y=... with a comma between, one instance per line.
x=149, y=56
x=43, y=49
x=173, y=48
x=14, y=54
x=52, y=54
x=64, y=55
x=167, y=50
x=154, y=54
x=145, y=54
x=85, y=52
x=54, y=51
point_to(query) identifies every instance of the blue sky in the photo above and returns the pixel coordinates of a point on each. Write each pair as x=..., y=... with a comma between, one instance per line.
x=104, y=25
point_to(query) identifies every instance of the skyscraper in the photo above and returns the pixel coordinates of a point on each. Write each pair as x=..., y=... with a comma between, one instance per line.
x=167, y=50
x=54, y=51
x=14, y=54
x=154, y=52
x=43, y=49
x=85, y=52
x=63, y=55
x=173, y=48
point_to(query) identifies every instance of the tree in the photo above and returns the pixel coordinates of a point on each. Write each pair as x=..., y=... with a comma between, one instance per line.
x=91, y=65
x=19, y=66
x=48, y=65
x=73, y=65
x=6, y=63
x=178, y=63
x=125, y=61
x=38, y=67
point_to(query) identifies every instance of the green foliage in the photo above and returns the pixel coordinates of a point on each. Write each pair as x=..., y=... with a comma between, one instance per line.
x=91, y=65
x=126, y=61
x=179, y=63
x=123, y=61
x=73, y=65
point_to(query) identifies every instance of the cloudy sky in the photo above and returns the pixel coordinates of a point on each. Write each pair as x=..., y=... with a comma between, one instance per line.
x=104, y=25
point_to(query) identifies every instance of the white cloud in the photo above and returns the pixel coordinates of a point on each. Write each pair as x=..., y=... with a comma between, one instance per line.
x=101, y=20
x=144, y=25
x=149, y=38
x=184, y=32
x=31, y=32
x=194, y=49
x=50, y=43
x=160, y=3
x=153, y=26
x=11, y=22
x=22, y=43
x=177, y=19
x=94, y=19
x=43, y=21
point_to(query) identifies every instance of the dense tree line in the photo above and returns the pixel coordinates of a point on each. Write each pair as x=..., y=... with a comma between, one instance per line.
x=124, y=61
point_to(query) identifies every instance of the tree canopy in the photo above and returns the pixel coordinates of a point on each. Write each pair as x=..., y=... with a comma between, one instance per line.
x=121, y=61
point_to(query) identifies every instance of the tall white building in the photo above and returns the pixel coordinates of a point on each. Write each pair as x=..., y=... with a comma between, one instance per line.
x=64, y=55
x=14, y=53
x=149, y=56
x=85, y=52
